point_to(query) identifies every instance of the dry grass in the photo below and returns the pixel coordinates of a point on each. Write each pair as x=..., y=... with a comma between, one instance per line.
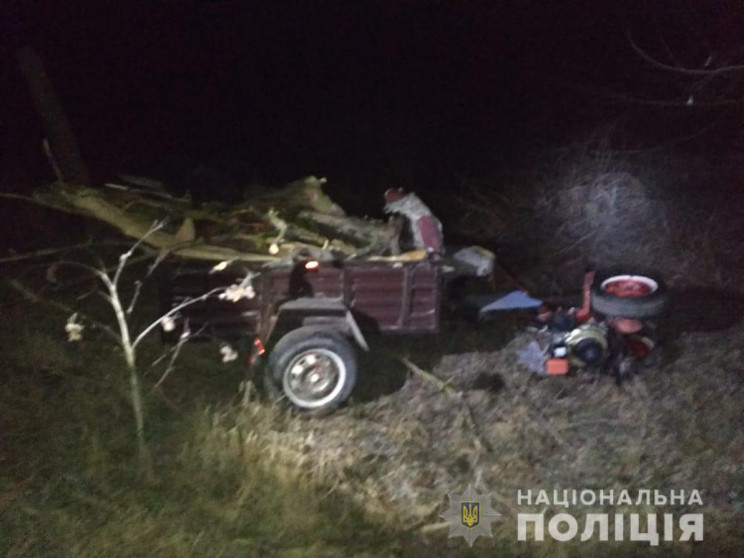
x=68, y=473
x=594, y=204
x=398, y=457
x=249, y=478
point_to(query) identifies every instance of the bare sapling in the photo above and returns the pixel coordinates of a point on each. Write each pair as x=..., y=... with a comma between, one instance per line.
x=128, y=340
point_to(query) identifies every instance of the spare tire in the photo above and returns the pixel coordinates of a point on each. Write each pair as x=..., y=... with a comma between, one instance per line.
x=626, y=295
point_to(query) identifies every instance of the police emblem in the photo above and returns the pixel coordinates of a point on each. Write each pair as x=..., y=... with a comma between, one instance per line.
x=470, y=515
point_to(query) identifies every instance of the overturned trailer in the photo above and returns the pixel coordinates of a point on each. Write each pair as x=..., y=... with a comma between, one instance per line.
x=308, y=313
x=306, y=319
x=289, y=270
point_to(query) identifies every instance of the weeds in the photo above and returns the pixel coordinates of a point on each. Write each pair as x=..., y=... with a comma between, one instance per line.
x=399, y=455
x=594, y=204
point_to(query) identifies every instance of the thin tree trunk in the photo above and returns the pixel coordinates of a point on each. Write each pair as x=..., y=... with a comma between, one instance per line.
x=59, y=133
x=145, y=458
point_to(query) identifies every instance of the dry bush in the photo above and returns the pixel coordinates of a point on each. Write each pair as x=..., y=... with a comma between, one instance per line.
x=591, y=204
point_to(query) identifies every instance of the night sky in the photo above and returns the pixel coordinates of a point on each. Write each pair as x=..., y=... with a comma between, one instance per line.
x=370, y=94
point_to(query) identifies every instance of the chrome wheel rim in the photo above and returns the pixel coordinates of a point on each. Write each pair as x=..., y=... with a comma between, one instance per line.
x=314, y=378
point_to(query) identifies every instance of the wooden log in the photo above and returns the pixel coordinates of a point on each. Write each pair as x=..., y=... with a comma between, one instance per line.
x=371, y=237
x=308, y=223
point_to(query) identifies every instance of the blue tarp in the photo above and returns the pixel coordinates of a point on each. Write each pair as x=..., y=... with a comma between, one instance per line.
x=511, y=301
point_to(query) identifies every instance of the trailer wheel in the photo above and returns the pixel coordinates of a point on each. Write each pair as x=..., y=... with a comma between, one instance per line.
x=312, y=369
x=628, y=296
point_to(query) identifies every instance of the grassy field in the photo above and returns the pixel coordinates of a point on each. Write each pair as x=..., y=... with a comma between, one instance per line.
x=69, y=478
x=69, y=482
x=238, y=477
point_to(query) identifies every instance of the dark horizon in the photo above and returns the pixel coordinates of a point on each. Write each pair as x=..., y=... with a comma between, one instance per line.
x=371, y=95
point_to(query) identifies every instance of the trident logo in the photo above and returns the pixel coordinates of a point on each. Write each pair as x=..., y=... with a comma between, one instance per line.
x=470, y=514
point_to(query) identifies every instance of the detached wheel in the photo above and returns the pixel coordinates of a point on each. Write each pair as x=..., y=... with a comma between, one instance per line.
x=313, y=370
x=628, y=296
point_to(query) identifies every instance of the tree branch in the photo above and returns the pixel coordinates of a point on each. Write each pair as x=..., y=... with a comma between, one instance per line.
x=31, y=296
x=682, y=70
x=174, y=311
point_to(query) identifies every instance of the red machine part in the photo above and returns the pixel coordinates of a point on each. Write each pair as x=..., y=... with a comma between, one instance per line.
x=639, y=346
x=556, y=366
x=585, y=311
x=629, y=285
x=625, y=325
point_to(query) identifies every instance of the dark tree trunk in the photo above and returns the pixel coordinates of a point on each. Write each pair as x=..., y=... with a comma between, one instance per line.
x=62, y=142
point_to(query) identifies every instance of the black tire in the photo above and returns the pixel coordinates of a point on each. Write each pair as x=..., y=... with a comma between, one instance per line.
x=644, y=306
x=308, y=356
